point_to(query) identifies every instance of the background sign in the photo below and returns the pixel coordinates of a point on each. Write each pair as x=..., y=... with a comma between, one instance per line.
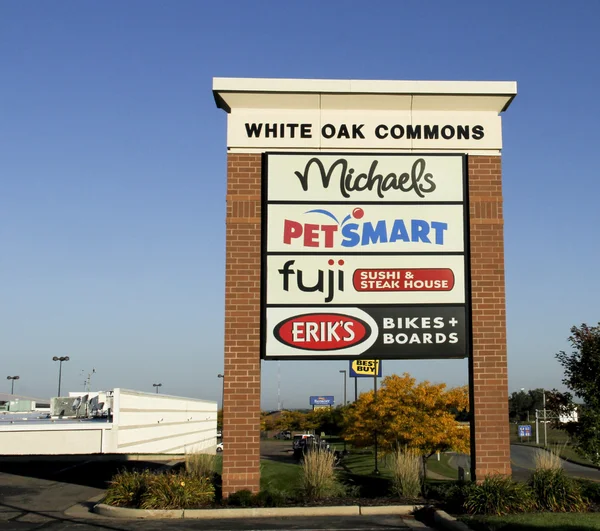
x=365, y=368
x=525, y=431
x=321, y=401
x=364, y=256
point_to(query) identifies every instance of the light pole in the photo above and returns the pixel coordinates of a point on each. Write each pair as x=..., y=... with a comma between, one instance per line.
x=61, y=359
x=344, y=373
x=545, y=421
x=12, y=383
x=157, y=386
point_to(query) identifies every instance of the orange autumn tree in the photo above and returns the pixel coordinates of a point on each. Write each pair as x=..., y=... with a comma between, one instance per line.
x=409, y=415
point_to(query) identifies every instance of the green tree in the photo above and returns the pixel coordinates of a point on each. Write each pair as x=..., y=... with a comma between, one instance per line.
x=327, y=420
x=291, y=421
x=522, y=404
x=582, y=377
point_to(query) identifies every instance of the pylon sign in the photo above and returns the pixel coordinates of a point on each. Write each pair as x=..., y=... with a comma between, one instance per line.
x=365, y=254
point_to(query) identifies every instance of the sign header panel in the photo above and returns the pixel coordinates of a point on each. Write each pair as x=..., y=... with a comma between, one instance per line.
x=365, y=368
x=365, y=256
x=337, y=129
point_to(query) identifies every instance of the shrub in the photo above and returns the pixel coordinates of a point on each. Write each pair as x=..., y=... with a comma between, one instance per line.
x=590, y=490
x=177, y=491
x=241, y=498
x=406, y=467
x=554, y=491
x=272, y=498
x=451, y=495
x=548, y=459
x=498, y=495
x=200, y=465
x=127, y=488
x=318, y=479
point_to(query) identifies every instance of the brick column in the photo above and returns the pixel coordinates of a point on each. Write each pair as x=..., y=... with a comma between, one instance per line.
x=241, y=415
x=490, y=445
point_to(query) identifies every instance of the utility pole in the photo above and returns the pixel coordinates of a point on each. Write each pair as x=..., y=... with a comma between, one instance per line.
x=344, y=373
x=545, y=422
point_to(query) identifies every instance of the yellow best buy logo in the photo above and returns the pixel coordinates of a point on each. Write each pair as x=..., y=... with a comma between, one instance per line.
x=366, y=367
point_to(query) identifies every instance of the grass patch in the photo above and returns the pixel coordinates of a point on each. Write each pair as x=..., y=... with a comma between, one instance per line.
x=442, y=467
x=279, y=477
x=535, y=522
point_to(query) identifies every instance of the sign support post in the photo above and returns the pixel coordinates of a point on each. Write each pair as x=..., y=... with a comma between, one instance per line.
x=376, y=471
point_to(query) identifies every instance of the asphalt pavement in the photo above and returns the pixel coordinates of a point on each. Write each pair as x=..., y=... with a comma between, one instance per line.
x=523, y=463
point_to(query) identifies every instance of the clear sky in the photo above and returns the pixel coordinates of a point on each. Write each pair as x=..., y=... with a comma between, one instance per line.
x=112, y=174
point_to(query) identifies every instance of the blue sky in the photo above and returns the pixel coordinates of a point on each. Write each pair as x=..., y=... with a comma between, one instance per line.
x=112, y=174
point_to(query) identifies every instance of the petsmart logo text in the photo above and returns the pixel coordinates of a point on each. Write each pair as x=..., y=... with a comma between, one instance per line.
x=354, y=233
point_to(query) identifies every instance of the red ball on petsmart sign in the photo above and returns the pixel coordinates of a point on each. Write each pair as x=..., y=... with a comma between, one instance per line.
x=358, y=213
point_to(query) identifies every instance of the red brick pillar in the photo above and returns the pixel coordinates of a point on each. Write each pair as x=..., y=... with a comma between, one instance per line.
x=490, y=445
x=241, y=415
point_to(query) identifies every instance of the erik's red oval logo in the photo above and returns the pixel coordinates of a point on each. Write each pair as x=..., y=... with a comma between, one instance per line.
x=322, y=331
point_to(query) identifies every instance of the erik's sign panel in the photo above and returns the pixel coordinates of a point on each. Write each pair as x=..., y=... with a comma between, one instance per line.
x=364, y=256
x=361, y=368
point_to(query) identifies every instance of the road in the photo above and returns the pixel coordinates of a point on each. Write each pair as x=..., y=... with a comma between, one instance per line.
x=523, y=463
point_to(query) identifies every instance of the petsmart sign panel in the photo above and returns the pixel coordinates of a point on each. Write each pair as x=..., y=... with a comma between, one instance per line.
x=365, y=256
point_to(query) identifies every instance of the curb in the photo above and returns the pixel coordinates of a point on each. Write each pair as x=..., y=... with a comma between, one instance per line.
x=255, y=512
x=445, y=521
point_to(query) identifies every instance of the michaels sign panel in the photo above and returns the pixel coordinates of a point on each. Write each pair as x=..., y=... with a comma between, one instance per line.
x=365, y=256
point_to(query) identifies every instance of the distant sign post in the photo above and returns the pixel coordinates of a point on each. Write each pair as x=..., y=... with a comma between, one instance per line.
x=318, y=402
x=362, y=368
x=524, y=431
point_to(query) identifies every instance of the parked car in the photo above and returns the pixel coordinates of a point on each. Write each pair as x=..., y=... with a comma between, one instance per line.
x=311, y=444
x=283, y=435
x=299, y=437
x=220, y=447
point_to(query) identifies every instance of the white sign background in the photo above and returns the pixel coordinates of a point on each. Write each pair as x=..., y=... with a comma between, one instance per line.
x=237, y=133
x=277, y=315
x=284, y=184
x=452, y=215
x=286, y=199
x=310, y=265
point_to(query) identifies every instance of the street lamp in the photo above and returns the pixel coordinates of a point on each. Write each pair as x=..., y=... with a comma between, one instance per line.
x=344, y=373
x=12, y=383
x=61, y=359
x=157, y=386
